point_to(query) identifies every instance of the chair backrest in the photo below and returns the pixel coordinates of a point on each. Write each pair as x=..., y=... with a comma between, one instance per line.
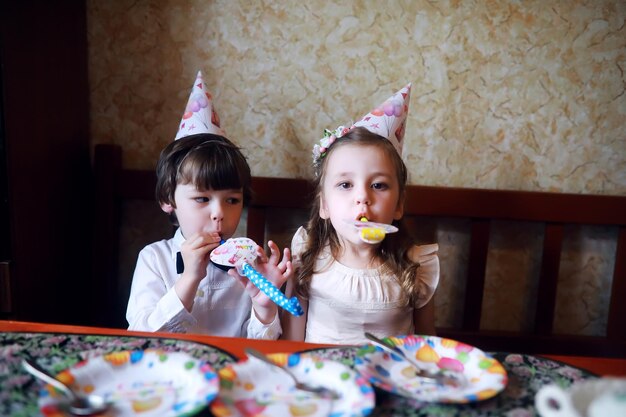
x=480, y=207
x=113, y=186
x=555, y=211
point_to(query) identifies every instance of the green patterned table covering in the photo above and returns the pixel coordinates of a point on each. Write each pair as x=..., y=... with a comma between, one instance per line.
x=527, y=374
x=19, y=392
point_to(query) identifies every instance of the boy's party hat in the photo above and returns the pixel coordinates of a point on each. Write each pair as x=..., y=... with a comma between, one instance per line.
x=387, y=120
x=200, y=115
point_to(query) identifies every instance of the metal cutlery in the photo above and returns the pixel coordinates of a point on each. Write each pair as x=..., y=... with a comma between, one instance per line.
x=319, y=391
x=78, y=405
x=437, y=378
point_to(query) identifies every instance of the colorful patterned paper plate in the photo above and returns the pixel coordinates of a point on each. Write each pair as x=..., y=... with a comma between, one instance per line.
x=255, y=388
x=481, y=376
x=139, y=383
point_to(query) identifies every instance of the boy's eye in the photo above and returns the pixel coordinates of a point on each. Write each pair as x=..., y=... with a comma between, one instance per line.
x=380, y=186
x=234, y=201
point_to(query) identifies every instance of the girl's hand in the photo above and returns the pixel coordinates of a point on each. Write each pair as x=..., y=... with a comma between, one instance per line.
x=195, y=252
x=276, y=270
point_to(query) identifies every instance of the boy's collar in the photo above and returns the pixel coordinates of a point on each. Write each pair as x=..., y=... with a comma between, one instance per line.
x=177, y=242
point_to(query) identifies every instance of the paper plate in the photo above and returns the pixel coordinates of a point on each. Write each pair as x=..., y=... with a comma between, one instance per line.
x=481, y=375
x=139, y=383
x=254, y=388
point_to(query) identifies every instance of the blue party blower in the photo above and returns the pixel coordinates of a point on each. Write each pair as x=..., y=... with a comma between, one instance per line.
x=239, y=252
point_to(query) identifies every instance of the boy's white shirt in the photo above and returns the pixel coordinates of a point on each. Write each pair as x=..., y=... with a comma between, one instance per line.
x=221, y=307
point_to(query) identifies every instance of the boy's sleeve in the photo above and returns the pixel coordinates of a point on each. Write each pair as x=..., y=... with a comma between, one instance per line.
x=427, y=275
x=151, y=305
x=258, y=330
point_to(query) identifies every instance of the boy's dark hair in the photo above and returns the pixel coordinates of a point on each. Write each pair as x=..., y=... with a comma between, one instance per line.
x=205, y=160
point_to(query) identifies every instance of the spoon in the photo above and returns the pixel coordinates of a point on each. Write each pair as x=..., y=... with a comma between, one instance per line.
x=78, y=405
x=420, y=372
x=321, y=392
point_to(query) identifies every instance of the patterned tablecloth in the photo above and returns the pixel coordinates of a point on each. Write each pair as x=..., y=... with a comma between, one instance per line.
x=55, y=352
x=19, y=391
x=527, y=374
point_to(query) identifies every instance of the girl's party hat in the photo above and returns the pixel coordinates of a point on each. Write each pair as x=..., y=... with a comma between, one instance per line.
x=387, y=120
x=200, y=115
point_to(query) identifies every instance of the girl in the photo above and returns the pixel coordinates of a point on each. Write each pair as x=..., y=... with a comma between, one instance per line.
x=347, y=286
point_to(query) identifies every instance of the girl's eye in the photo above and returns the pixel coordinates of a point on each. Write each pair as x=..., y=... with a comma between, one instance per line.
x=201, y=199
x=234, y=201
x=344, y=185
x=380, y=186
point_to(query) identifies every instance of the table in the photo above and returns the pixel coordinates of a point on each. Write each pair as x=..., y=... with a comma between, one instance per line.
x=59, y=346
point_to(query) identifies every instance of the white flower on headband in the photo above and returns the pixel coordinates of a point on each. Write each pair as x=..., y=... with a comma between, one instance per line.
x=319, y=151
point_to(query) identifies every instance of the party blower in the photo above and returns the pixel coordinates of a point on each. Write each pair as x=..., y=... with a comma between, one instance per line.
x=371, y=232
x=239, y=252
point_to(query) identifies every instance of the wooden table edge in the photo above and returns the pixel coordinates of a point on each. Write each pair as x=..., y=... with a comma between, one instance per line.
x=235, y=346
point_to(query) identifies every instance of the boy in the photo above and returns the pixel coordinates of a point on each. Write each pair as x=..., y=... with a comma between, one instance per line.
x=203, y=181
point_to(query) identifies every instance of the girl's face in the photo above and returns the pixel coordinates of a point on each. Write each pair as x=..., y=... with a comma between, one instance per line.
x=359, y=181
x=206, y=211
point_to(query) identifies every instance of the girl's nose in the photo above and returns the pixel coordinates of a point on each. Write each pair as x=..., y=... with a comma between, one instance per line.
x=363, y=198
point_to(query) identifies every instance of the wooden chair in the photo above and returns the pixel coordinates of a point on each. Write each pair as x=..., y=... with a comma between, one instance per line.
x=480, y=207
x=113, y=186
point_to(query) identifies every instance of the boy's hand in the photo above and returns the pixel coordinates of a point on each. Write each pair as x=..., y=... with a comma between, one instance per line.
x=276, y=270
x=195, y=252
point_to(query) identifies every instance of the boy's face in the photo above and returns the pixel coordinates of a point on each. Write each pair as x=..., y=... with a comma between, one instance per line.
x=359, y=181
x=205, y=211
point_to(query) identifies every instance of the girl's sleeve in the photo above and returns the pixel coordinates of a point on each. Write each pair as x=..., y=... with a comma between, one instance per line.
x=297, y=246
x=294, y=327
x=152, y=306
x=427, y=275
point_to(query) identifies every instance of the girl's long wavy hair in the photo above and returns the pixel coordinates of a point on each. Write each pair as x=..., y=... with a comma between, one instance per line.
x=393, y=250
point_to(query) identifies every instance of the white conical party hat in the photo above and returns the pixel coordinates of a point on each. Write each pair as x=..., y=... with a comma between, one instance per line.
x=200, y=115
x=387, y=120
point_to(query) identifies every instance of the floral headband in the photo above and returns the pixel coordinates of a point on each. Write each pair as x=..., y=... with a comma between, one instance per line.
x=387, y=120
x=319, y=151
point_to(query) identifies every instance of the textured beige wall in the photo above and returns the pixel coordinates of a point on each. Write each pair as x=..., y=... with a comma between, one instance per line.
x=522, y=95
x=506, y=94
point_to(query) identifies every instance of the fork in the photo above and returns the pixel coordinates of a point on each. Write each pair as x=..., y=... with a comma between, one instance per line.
x=322, y=392
x=419, y=370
